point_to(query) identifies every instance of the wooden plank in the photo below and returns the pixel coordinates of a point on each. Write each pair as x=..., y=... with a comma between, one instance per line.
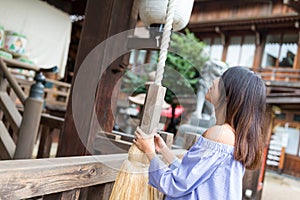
x=10, y=111
x=110, y=135
x=101, y=192
x=295, y=85
x=45, y=142
x=21, y=179
x=283, y=95
x=7, y=145
x=52, y=121
x=146, y=43
x=124, y=136
x=292, y=165
x=283, y=100
x=17, y=64
x=104, y=145
x=29, y=178
x=70, y=195
x=12, y=82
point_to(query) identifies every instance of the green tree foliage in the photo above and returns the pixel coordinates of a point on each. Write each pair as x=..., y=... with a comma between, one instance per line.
x=186, y=58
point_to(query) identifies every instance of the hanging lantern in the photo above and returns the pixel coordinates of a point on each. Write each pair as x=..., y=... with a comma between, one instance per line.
x=154, y=12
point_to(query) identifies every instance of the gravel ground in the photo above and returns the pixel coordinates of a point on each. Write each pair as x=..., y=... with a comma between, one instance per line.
x=280, y=187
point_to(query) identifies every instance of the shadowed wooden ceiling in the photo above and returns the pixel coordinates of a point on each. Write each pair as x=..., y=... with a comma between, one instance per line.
x=73, y=7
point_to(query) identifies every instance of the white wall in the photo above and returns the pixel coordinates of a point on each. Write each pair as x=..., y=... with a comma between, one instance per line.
x=48, y=30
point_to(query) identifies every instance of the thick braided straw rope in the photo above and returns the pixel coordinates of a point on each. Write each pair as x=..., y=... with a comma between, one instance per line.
x=166, y=37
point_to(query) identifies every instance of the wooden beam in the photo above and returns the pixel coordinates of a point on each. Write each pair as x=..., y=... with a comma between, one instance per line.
x=21, y=179
x=52, y=121
x=295, y=85
x=283, y=100
x=262, y=22
x=7, y=145
x=104, y=145
x=21, y=65
x=10, y=111
x=29, y=178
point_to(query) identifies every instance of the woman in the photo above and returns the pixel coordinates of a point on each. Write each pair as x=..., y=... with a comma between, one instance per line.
x=214, y=166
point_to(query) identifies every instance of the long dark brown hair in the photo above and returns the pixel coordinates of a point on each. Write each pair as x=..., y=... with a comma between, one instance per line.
x=246, y=105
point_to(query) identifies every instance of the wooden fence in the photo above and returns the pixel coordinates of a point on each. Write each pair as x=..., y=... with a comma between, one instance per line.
x=21, y=112
x=20, y=179
x=279, y=74
x=61, y=178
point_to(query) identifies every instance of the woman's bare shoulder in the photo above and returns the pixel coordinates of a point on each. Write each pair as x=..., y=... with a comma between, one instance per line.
x=220, y=133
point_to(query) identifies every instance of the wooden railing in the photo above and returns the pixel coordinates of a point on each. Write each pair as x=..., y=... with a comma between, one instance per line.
x=19, y=144
x=49, y=130
x=57, y=94
x=20, y=179
x=61, y=177
x=279, y=74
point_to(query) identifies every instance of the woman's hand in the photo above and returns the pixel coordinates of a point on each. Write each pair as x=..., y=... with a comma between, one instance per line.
x=144, y=142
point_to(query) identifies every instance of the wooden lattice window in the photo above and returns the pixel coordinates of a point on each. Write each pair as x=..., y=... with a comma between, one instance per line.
x=280, y=50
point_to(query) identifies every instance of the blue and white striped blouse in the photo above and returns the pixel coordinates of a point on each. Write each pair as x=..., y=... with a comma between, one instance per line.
x=208, y=171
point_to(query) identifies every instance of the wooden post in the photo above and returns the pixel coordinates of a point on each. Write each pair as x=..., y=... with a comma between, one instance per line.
x=102, y=20
x=70, y=195
x=297, y=57
x=45, y=142
x=29, y=128
x=259, y=50
x=281, y=161
x=31, y=119
x=225, y=44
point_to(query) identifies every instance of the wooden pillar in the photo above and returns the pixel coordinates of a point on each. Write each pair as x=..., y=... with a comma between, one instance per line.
x=148, y=56
x=297, y=57
x=103, y=19
x=225, y=43
x=259, y=50
x=29, y=127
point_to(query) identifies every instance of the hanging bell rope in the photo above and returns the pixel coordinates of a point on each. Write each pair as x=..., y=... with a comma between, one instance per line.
x=165, y=41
